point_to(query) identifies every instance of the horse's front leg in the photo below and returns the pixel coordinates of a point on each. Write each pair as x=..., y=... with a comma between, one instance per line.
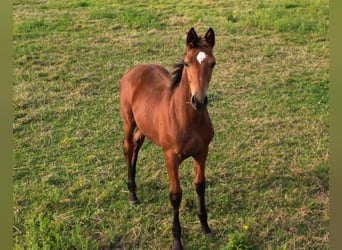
x=172, y=163
x=199, y=169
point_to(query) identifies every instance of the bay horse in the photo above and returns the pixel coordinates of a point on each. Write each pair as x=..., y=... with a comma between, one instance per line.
x=171, y=111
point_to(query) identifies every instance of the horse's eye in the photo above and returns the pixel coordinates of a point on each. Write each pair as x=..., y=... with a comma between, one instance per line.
x=186, y=64
x=213, y=64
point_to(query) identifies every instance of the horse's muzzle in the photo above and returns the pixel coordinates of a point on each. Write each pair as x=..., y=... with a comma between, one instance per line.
x=197, y=104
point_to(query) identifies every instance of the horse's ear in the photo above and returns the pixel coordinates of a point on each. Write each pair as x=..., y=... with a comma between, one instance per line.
x=210, y=37
x=192, y=39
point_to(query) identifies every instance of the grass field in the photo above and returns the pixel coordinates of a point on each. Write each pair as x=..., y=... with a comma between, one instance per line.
x=267, y=169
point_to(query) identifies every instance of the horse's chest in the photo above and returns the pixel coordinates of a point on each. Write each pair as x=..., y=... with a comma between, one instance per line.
x=192, y=140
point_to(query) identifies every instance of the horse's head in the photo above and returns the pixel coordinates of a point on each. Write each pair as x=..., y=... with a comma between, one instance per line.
x=199, y=62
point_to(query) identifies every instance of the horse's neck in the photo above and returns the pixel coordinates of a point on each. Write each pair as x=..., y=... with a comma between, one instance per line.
x=183, y=94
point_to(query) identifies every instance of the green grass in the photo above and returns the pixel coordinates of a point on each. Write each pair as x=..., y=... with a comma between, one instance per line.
x=267, y=168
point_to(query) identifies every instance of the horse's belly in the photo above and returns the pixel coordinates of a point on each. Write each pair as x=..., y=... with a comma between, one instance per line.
x=147, y=122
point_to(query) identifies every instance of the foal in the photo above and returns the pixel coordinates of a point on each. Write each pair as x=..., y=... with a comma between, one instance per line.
x=172, y=113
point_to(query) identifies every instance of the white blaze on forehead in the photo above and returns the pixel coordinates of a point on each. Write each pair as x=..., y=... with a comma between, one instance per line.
x=201, y=56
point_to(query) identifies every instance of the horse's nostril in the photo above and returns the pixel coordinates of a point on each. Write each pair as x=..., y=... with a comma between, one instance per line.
x=193, y=100
x=205, y=101
x=196, y=104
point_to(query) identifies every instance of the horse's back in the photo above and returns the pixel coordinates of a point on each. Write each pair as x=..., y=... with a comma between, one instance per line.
x=145, y=78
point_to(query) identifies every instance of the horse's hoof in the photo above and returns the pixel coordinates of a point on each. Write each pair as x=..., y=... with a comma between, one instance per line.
x=207, y=232
x=133, y=199
x=209, y=235
x=177, y=245
x=134, y=202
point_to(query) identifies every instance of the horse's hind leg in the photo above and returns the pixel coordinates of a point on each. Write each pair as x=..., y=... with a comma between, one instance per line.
x=133, y=139
x=138, y=140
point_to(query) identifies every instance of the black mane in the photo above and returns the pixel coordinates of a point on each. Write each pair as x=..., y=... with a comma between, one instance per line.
x=177, y=74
